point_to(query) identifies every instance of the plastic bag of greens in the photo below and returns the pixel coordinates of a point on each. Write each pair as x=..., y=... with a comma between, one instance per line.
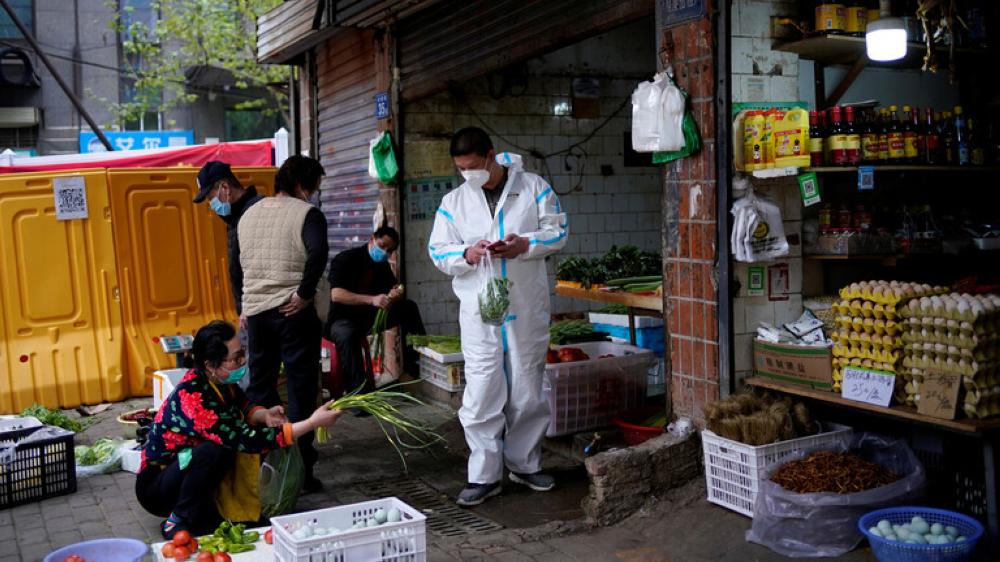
x=103, y=457
x=494, y=293
x=825, y=524
x=281, y=477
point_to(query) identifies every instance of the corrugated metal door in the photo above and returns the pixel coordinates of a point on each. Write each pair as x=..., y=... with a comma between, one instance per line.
x=458, y=40
x=345, y=68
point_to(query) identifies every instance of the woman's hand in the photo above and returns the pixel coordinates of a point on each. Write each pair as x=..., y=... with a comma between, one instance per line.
x=324, y=416
x=275, y=417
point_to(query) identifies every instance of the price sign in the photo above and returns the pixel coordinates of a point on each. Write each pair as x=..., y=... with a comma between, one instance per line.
x=866, y=385
x=939, y=395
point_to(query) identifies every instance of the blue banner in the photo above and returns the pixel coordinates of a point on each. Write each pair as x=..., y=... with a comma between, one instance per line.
x=136, y=140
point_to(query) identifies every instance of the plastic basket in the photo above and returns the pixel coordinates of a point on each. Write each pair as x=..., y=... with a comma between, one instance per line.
x=103, y=550
x=893, y=551
x=443, y=371
x=584, y=395
x=733, y=470
x=632, y=432
x=37, y=469
x=405, y=540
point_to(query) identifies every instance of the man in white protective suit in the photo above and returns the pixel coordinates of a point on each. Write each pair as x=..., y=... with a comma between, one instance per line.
x=514, y=217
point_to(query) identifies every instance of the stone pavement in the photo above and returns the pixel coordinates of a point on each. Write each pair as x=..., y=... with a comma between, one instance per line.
x=546, y=528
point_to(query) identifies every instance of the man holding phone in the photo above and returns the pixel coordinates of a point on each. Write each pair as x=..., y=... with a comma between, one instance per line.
x=513, y=217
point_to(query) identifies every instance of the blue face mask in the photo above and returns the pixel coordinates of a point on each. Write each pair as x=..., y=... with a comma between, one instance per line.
x=220, y=208
x=377, y=254
x=236, y=375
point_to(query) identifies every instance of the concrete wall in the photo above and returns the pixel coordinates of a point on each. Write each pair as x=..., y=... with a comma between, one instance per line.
x=604, y=210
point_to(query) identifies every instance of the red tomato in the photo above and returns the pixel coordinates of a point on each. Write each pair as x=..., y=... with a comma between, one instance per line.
x=181, y=538
x=168, y=550
x=269, y=537
x=552, y=356
x=222, y=557
x=181, y=553
x=205, y=556
x=193, y=545
x=74, y=558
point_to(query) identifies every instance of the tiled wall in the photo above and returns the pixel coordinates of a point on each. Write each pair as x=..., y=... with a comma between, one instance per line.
x=614, y=209
x=760, y=74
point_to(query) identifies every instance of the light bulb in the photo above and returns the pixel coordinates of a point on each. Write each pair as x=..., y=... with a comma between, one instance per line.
x=885, y=39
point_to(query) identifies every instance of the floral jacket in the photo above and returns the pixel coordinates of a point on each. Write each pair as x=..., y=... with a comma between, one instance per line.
x=195, y=413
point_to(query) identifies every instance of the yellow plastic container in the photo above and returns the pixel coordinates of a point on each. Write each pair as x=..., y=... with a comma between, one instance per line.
x=791, y=139
x=770, y=117
x=61, y=339
x=754, y=139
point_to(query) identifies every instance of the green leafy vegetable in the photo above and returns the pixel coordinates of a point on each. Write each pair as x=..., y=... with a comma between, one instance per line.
x=494, y=300
x=574, y=331
x=440, y=344
x=53, y=417
x=98, y=453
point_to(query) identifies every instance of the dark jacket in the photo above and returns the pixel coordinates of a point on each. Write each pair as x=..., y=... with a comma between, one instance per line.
x=233, y=242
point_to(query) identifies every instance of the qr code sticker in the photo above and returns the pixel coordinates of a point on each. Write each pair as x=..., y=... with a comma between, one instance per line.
x=70, y=198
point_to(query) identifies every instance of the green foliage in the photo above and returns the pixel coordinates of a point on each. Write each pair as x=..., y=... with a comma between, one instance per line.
x=192, y=33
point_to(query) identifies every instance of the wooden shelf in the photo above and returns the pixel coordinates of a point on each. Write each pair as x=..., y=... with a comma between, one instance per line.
x=900, y=412
x=631, y=300
x=844, y=49
x=902, y=168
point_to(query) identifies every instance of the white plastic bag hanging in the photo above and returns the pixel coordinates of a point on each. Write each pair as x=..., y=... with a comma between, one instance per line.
x=494, y=293
x=758, y=231
x=657, y=115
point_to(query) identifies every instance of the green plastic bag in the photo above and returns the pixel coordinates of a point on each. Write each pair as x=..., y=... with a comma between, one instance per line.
x=282, y=475
x=692, y=141
x=381, y=159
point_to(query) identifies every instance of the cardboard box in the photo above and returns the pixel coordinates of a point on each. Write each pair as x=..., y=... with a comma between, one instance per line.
x=796, y=364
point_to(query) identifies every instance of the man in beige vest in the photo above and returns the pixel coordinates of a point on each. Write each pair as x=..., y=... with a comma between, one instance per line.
x=283, y=251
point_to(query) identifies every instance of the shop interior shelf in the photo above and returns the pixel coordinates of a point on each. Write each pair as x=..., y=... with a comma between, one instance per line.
x=844, y=49
x=771, y=173
x=631, y=300
x=901, y=412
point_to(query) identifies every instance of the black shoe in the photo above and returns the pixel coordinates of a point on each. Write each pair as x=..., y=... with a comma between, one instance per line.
x=312, y=485
x=168, y=529
x=475, y=494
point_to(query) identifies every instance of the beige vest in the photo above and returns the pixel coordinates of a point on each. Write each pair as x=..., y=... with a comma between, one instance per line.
x=272, y=253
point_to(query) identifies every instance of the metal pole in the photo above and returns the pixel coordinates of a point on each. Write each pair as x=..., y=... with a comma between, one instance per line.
x=62, y=83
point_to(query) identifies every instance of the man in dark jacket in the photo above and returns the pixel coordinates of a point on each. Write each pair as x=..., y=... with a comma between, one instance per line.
x=229, y=199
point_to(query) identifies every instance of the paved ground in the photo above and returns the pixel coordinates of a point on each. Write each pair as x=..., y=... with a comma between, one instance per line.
x=357, y=464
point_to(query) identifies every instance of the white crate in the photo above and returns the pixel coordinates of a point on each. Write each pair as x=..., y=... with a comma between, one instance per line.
x=445, y=371
x=404, y=540
x=585, y=395
x=622, y=320
x=131, y=457
x=734, y=470
x=163, y=384
x=16, y=423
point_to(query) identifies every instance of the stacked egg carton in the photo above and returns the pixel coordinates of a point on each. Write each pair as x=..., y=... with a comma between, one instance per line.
x=955, y=333
x=868, y=328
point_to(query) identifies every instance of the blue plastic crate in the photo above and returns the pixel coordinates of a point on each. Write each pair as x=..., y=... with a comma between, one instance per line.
x=646, y=338
x=895, y=551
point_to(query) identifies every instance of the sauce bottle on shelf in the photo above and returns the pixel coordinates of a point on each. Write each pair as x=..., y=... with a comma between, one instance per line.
x=977, y=154
x=947, y=139
x=816, y=139
x=910, y=152
x=844, y=217
x=852, y=144
x=962, y=138
x=857, y=18
x=837, y=139
x=826, y=218
x=883, y=136
x=897, y=150
x=869, y=138
x=932, y=139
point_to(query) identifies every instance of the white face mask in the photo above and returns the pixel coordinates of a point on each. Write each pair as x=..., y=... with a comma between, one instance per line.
x=477, y=178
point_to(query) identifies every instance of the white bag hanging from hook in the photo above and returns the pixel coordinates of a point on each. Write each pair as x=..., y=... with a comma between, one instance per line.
x=758, y=230
x=657, y=115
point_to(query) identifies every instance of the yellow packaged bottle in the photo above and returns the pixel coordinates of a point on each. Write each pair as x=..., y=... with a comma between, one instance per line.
x=756, y=156
x=831, y=17
x=748, y=141
x=791, y=139
x=767, y=141
x=857, y=19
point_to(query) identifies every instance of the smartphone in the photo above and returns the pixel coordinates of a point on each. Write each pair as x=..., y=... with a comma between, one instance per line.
x=496, y=246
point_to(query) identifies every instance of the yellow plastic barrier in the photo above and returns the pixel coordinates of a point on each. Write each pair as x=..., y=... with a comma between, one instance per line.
x=171, y=260
x=60, y=320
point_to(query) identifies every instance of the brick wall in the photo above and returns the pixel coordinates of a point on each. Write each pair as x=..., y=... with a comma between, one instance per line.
x=762, y=75
x=689, y=228
x=604, y=210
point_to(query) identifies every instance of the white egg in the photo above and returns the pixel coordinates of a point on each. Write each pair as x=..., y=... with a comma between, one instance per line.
x=937, y=529
x=961, y=538
x=359, y=525
x=371, y=523
x=394, y=515
x=903, y=533
x=890, y=537
x=920, y=527
x=952, y=532
x=916, y=518
x=379, y=516
x=884, y=525
x=875, y=531
x=320, y=531
x=896, y=528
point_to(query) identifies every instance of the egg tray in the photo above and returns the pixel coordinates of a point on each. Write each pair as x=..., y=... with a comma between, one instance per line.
x=889, y=293
x=955, y=306
x=869, y=325
x=865, y=309
x=961, y=340
x=862, y=339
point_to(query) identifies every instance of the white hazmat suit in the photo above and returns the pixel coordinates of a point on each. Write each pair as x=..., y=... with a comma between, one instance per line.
x=503, y=412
